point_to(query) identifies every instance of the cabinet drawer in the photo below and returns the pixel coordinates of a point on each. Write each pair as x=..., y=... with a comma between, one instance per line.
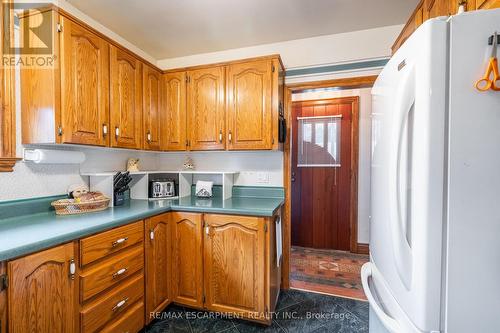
x=106, y=243
x=111, y=271
x=130, y=322
x=113, y=304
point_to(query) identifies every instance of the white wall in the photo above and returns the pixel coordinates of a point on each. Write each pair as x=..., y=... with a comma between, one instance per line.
x=307, y=52
x=365, y=108
x=253, y=166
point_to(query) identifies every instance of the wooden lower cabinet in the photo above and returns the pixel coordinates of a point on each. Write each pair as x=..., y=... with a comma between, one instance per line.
x=235, y=264
x=215, y=262
x=187, y=258
x=158, y=263
x=42, y=292
x=3, y=298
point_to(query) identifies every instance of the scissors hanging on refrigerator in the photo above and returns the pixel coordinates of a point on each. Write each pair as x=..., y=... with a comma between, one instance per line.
x=491, y=80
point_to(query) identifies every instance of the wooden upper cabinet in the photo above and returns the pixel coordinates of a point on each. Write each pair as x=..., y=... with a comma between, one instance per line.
x=235, y=263
x=42, y=292
x=206, y=108
x=151, y=108
x=436, y=8
x=158, y=258
x=174, y=134
x=487, y=4
x=250, y=105
x=85, y=86
x=126, y=99
x=416, y=19
x=187, y=263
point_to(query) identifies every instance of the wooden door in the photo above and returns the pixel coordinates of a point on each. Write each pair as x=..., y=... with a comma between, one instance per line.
x=126, y=99
x=85, y=86
x=187, y=263
x=174, y=99
x=42, y=292
x=151, y=107
x=249, y=105
x=158, y=254
x=235, y=263
x=206, y=108
x=322, y=195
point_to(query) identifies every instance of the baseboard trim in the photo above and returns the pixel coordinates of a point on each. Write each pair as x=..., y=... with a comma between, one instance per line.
x=363, y=248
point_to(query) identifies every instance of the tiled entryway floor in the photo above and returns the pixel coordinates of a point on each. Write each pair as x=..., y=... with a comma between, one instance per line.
x=297, y=312
x=327, y=271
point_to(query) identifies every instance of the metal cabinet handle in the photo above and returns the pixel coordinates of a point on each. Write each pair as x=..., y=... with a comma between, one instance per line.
x=72, y=269
x=119, y=272
x=230, y=136
x=117, y=131
x=120, y=304
x=220, y=136
x=119, y=241
x=151, y=234
x=104, y=129
x=148, y=136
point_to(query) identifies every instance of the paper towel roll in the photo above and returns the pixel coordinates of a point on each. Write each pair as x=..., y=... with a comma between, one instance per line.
x=46, y=156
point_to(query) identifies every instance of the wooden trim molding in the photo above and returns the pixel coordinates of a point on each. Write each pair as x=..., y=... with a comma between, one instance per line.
x=7, y=98
x=363, y=248
x=346, y=83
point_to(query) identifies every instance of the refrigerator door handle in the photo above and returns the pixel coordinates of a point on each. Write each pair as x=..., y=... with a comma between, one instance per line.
x=390, y=323
x=401, y=247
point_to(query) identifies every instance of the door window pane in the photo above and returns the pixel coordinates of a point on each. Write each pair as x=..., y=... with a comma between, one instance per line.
x=318, y=141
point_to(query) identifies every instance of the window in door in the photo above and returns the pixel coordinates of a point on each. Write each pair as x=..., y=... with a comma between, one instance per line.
x=319, y=141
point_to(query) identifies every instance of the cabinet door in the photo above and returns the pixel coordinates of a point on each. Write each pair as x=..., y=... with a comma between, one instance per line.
x=158, y=253
x=3, y=302
x=487, y=4
x=249, y=105
x=206, y=109
x=42, y=292
x=126, y=99
x=187, y=258
x=235, y=263
x=152, y=108
x=174, y=100
x=85, y=86
x=435, y=8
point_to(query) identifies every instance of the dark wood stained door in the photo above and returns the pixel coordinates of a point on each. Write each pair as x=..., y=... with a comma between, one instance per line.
x=321, y=196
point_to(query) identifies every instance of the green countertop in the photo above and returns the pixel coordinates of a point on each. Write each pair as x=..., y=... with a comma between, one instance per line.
x=32, y=232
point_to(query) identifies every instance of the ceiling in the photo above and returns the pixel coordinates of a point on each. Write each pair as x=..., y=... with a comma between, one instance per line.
x=175, y=28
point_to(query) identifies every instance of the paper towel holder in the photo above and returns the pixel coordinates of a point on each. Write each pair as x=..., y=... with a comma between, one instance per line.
x=48, y=156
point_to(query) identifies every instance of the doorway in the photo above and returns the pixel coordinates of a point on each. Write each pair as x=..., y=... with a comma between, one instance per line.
x=322, y=158
x=331, y=271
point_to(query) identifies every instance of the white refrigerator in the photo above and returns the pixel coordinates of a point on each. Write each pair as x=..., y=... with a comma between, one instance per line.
x=435, y=193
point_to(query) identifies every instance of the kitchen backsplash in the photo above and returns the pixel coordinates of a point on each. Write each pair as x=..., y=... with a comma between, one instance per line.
x=33, y=180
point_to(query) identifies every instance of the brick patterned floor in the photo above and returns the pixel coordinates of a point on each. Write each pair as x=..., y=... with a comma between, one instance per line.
x=327, y=271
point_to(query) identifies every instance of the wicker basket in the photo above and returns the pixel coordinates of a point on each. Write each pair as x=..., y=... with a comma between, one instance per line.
x=70, y=206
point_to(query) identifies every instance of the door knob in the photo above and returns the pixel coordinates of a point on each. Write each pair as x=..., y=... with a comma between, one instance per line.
x=293, y=179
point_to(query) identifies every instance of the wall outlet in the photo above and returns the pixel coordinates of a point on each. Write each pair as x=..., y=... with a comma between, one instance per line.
x=263, y=177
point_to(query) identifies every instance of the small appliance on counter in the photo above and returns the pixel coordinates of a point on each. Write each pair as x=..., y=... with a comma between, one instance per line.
x=161, y=188
x=121, y=180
